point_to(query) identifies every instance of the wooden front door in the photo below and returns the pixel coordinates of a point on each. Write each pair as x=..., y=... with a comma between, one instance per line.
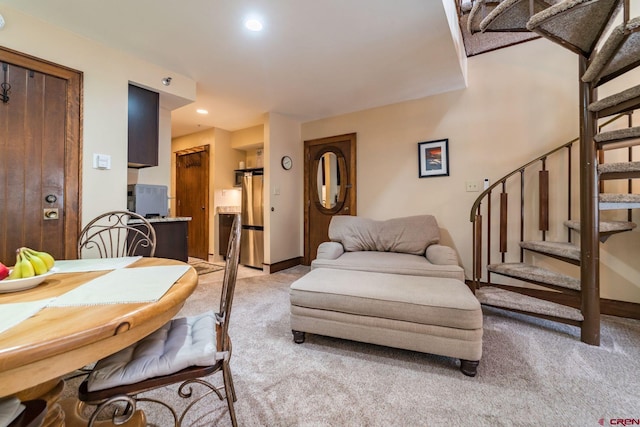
x=192, y=197
x=39, y=156
x=329, y=189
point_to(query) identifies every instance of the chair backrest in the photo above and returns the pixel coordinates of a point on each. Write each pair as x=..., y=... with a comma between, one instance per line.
x=117, y=234
x=228, y=286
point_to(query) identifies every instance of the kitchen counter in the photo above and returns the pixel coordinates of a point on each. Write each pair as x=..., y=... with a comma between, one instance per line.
x=228, y=209
x=165, y=219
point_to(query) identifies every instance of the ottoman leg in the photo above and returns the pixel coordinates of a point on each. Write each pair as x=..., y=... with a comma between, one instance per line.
x=469, y=367
x=298, y=337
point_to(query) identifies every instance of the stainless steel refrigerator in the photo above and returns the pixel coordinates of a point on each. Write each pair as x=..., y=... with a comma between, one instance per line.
x=252, y=238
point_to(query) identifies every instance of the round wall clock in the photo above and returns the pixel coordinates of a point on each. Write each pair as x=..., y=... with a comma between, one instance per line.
x=286, y=162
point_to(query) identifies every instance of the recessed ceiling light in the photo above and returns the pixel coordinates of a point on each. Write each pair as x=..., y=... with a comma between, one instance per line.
x=202, y=111
x=253, y=24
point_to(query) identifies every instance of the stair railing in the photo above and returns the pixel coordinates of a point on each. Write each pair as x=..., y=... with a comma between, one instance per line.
x=629, y=159
x=543, y=201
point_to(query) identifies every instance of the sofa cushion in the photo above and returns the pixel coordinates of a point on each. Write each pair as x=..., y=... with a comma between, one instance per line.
x=330, y=250
x=442, y=255
x=390, y=262
x=411, y=235
x=423, y=300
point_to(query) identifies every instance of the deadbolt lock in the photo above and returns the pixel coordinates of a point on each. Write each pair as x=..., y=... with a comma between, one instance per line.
x=51, y=214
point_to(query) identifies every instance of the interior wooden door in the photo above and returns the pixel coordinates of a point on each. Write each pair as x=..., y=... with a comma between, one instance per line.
x=192, y=197
x=39, y=156
x=329, y=189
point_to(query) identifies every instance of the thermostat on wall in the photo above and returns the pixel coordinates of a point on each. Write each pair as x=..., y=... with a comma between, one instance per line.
x=101, y=161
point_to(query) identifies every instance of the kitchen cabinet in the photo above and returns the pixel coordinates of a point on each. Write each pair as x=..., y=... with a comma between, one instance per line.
x=225, y=223
x=171, y=238
x=143, y=127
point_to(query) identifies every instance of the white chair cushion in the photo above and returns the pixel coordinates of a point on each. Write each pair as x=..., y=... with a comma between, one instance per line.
x=10, y=409
x=180, y=343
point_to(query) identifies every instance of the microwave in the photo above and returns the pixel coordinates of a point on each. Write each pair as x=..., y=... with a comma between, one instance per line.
x=150, y=201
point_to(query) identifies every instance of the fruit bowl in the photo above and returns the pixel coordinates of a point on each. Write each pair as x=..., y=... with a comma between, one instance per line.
x=15, y=285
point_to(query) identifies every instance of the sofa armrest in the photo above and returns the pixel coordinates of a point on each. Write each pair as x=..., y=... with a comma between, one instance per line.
x=329, y=250
x=441, y=255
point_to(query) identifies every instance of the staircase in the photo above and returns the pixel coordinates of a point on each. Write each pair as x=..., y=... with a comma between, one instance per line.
x=607, y=42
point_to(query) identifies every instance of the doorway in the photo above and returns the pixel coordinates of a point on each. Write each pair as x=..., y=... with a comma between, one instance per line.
x=40, y=142
x=329, y=187
x=192, y=197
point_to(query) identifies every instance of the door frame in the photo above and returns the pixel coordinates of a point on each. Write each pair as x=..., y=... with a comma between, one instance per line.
x=309, y=167
x=198, y=149
x=71, y=214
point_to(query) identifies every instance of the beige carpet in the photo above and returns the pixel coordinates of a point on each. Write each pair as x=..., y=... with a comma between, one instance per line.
x=478, y=43
x=533, y=372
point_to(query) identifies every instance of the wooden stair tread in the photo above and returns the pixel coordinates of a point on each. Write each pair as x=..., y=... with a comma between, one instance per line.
x=609, y=201
x=533, y=274
x=619, y=54
x=621, y=102
x=479, y=11
x=605, y=226
x=618, y=135
x=621, y=170
x=510, y=300
x=574, y=24
x=512, y=15
x=558, y=249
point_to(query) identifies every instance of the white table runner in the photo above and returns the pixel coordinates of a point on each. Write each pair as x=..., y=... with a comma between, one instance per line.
x=14, y=313
x=94, y=264
x=128, y=285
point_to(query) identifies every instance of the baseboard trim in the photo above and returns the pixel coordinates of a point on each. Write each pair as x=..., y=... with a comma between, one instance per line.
x=282, y=265
x=611, y=307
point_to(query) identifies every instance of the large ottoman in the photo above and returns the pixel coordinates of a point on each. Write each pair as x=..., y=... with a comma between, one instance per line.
x=431, y=315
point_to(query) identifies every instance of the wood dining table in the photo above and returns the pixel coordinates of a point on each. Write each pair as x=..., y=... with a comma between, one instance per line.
x=38, y=352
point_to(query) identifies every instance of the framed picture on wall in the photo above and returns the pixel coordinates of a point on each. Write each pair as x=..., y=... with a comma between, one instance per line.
x=433, y=158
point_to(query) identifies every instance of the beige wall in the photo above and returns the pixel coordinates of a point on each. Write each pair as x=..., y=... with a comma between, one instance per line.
x=283, y=189
x=106, y=74
x=521, y=102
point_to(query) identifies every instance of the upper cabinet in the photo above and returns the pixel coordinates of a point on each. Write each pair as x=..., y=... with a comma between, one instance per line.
x=144, y=109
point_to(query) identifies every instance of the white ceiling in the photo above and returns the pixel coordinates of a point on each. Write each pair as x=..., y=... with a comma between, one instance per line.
x=314, y=58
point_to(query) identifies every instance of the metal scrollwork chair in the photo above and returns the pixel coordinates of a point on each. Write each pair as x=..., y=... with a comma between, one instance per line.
x=33, y=414
x=185, y=350
x=117, y=234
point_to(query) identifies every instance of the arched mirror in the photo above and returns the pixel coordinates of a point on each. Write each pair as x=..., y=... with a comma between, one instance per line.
x=331, y=180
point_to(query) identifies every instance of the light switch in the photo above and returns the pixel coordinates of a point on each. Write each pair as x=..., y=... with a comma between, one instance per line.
x=101, y=161
x=276, y=190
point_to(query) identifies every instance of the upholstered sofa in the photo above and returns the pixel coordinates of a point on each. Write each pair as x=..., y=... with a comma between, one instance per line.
x=409, y=245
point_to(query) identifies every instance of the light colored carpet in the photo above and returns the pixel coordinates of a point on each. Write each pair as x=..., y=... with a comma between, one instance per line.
x=533, y=372
x=478, y=43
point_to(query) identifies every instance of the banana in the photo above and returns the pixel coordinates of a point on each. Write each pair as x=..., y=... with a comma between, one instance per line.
x=38, y=264
x=25, y=267
x=44, y=256
x=15, y=273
